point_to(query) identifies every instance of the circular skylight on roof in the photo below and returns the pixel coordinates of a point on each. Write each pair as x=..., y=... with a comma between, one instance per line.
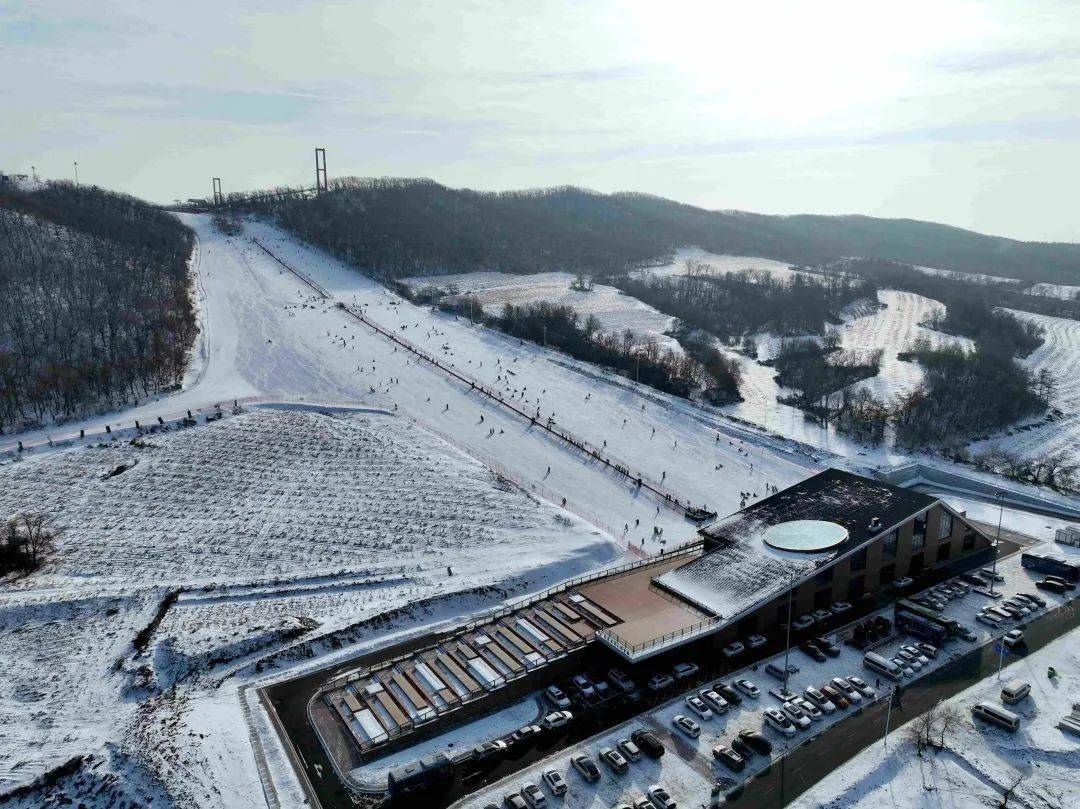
x=805, y=536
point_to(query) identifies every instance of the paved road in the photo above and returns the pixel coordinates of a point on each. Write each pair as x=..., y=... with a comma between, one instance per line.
x=788, y=778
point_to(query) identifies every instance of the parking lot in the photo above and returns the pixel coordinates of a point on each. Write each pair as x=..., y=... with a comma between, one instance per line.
x=689, y=770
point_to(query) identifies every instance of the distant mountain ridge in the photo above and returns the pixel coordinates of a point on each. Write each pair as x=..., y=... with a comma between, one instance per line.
x=401, y=227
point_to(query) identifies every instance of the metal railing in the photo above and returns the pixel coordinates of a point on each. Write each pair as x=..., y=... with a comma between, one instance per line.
x=631, y=650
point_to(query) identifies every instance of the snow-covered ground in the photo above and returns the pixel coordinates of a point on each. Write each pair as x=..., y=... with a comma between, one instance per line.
x=1063, y=291
x=688, y=768
x=1060, y=356
x=715, y=264
x=979, y=761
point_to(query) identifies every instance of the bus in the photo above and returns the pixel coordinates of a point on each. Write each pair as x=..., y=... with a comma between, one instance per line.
x=1054, y=565
x=883, y=666
x=921, y=627
x=951, y=627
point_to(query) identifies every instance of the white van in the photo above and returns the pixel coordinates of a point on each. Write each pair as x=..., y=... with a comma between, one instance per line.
x=883, y=666
x=1014, y=691
x=990, y=712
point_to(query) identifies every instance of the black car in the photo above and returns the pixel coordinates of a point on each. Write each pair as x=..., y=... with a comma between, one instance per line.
x=729, y=758
x=1051, y=585
x=1068, y=585
x=742, y=748
x=827, y=646
x=756, y=741
x=728, y=693
x=515, y=801
x=807, y=647
x=647, y=741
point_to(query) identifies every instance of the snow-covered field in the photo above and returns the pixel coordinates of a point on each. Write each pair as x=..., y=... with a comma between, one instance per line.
x=979, y=761
x=1063, y=291
x=1060, y=356
x=714, y=264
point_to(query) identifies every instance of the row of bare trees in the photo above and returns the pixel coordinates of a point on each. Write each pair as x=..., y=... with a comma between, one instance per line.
x=95, y=309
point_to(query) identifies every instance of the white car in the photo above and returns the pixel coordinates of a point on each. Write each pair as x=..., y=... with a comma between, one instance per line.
x=911, y=659
x=557, y=697
x=658, y=682
x=618, y=676
x=660, y=797
x=904, y=666
x=630, y=751
x=555, y=782
x=756, y=641
x=713, y=700
x=918, y=653
x=809, y=708
x=796, y=714
x=687, y=725
x=861, y=686
x=850, y=692
x=777, y=720
x=1013, y=638
x=733, y=649
x=556, y=719
x=823, y=703
x=582, y=684
x=534, y=796
x=748, y=688
x=683, y=670
x=989, y=619
x=698, y=706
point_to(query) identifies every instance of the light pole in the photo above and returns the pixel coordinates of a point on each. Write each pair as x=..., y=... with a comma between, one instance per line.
x=76, y=173
x=787, y=640
x=1000, y=495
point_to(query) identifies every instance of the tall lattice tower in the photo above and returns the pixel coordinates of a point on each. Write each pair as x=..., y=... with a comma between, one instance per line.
x=322, y=183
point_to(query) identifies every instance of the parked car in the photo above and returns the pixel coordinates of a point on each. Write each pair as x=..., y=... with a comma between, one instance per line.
x=684, y=670
x=622, y=682
x=797, y=715
x=991, y=574
x=660, y=797
x=1013, y=612
x=729, y=758
x=733, y=649
x=861, y=686
x=555, y=782
x=756, y=641
x=687, y=725
x=643, y=802
x=988, y=619
x=850, y=692
x=1051, y=585
x=630, y=751
x=756, y=741
x=525, y=734
x=778, y=671
x=821, y=616
x=920, y=655
x=912, y=660
x=928, y=649
x=748, y=688
x=1013, y=638
x=658, y=682
x=534, y=796
x=1068, y=585
x=967, y=634
x=698, y=706
x=807, y=707
x=583, y=684
x=727, y=692
x=556, y=719
x=802, y=622
x=905, y=667
x=586, y=767
x=1038, y=601
x=835, y=696
x=742, y=748
x=713, y=700
x=819, y=699
x=1020, y=604
x=557, y=697
x=811, y=649
x=840, y=607
x=614, y=759
x=647, y=741
x=827, y=646
x=778, y=721
x=903, y=582
x=490, y=749
x=515, y=801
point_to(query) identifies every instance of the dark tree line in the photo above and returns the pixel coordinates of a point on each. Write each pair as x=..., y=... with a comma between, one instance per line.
x=645, y=361
x=94, y=302
x=735, y=304
x=817, y=372
x=395, y=228
x=26, y=540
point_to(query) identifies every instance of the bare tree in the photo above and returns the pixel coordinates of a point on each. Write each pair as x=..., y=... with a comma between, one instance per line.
x=1017, y=779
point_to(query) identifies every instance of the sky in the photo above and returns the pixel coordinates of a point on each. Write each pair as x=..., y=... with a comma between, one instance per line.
x=966, y=113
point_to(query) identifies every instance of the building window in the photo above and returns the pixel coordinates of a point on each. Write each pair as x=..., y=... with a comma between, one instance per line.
x=858, y=560
x=945, y=526
x=888, y=547
x=825, y=576
x=918, y=533
x=888, y=573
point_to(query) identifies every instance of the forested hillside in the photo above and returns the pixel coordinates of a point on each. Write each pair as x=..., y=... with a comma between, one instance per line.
x=401, y=227
x=94, y=302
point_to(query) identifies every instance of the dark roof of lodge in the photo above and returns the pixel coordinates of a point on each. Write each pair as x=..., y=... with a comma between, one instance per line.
x=742, y=571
